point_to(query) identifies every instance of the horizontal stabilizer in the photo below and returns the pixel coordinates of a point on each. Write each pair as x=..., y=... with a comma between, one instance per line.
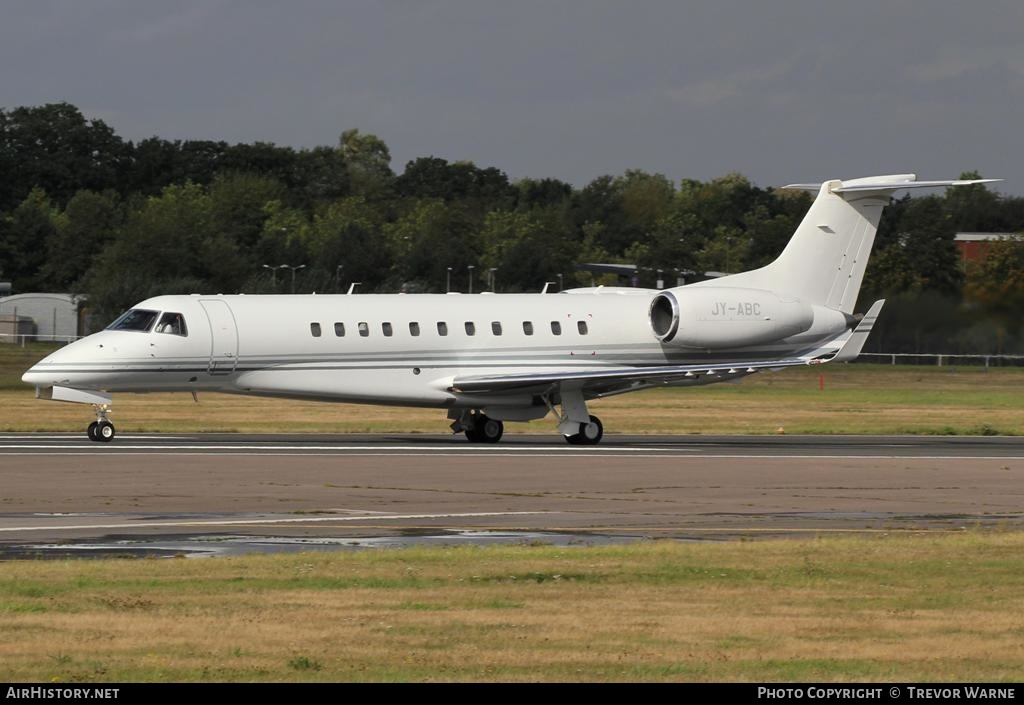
x=891, y=182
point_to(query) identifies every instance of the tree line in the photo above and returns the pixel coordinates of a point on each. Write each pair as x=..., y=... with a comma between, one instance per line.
x=83, y=210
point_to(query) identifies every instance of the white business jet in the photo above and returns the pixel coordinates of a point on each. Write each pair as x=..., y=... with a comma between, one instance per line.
x=492, y=358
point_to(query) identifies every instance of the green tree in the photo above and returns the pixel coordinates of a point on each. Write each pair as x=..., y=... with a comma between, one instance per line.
x=914, y=251
x=284, y=240
x=997, y=283
x=539, y=193
x=323, y=176
x=89, y=222
x=432, y=177
x=973, y=208
x=23, y=241
x=429, y=238
x=349, y=234
x=368, y=162
x=167, y=246
x=237, y=206
x=525, y=251
x=53, y=147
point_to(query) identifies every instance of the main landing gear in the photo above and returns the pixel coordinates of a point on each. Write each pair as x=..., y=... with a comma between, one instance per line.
x=575, y=423
x=590, y=434
x=479, y=428
x=101, y=430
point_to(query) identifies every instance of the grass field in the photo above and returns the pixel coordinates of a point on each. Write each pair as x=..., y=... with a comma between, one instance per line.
x=856, y=399
x=906, y=608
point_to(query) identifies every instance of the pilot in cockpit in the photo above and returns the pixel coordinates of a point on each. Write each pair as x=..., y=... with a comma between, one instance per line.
x=173, y=323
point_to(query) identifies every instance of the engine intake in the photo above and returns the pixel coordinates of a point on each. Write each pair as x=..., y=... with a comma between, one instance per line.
x=722, y=317
x=665, y=316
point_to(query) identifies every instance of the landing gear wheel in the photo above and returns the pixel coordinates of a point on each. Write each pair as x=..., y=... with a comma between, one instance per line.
x=491, y=430
x=104, y=432
x=590, y=434
x=91, y=431
x=484, y=429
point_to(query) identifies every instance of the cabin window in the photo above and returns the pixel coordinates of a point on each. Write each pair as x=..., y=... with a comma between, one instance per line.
x=173, y=323
x=364, y=329
x=339, y=330
x=528, y=327
x=388, y=330
x=442, y=328
x=314, y=328
x=556, y=327
x=581, y=326
x=138, y=319
x=496, y=327
x=414, y=328
x=470, y=328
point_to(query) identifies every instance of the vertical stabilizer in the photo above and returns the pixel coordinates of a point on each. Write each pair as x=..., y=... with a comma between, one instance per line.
x=825, y=260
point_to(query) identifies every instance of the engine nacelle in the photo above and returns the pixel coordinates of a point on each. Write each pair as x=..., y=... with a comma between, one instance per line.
x=726, y=317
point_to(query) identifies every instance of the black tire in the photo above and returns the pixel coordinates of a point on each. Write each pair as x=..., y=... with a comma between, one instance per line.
x=491, y=430
x=105, y=432
x=583, y=438
x=91, y=431
x=484, y=429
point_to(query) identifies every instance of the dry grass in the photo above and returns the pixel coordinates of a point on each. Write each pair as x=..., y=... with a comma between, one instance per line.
x=856, y=399
x=947, y=607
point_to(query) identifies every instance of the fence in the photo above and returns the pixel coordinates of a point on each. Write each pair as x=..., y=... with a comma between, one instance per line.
x=23, y=338
x=943, y=359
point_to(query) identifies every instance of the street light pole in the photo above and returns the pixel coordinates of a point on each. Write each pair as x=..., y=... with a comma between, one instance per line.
x=561, y=285
x=273, y=273
x=493, y=278
x=294, y=269
x=448, y=281
x=471, y=268
x=337, y=277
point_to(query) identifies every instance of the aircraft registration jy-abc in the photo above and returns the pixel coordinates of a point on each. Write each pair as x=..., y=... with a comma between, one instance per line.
x=491, y=358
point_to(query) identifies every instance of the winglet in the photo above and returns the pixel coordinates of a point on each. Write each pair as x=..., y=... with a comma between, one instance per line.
x=855, y=343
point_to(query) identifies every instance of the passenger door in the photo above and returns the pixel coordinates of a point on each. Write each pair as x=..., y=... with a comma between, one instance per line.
x=223, y=336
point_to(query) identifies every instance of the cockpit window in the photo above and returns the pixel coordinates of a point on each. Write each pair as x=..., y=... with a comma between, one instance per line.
x=138, y=319
x=173, y=323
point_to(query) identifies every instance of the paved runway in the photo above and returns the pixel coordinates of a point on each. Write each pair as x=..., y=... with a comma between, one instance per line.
x=220, y=493
x=546, y=445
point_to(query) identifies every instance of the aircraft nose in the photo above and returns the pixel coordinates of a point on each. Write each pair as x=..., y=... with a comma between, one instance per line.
x=47, y=372
x=38, y=375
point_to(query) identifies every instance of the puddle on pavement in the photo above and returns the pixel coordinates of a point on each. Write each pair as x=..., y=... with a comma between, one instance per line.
x=207, y=546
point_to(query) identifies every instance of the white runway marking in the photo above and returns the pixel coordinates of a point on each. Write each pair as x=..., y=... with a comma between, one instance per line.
x=375, y=516
x=78, y=437
x=453, y=450
x=665, y=455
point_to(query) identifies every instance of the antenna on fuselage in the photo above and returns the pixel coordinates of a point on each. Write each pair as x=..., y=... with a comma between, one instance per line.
x=352, y=287
x=545, y=289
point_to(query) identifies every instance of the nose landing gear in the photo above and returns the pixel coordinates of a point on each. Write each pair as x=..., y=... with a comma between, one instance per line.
x=101, y=430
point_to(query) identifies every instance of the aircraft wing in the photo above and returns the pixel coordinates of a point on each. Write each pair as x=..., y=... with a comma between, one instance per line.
x=844, y=348
x=661, y=374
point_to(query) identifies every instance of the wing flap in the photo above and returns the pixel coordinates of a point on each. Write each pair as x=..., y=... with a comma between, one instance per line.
x=660, y=374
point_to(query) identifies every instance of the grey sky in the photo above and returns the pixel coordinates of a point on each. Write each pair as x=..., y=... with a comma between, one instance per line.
x=780, y=91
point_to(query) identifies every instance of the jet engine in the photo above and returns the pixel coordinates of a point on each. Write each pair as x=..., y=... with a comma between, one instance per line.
x=726, y=317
